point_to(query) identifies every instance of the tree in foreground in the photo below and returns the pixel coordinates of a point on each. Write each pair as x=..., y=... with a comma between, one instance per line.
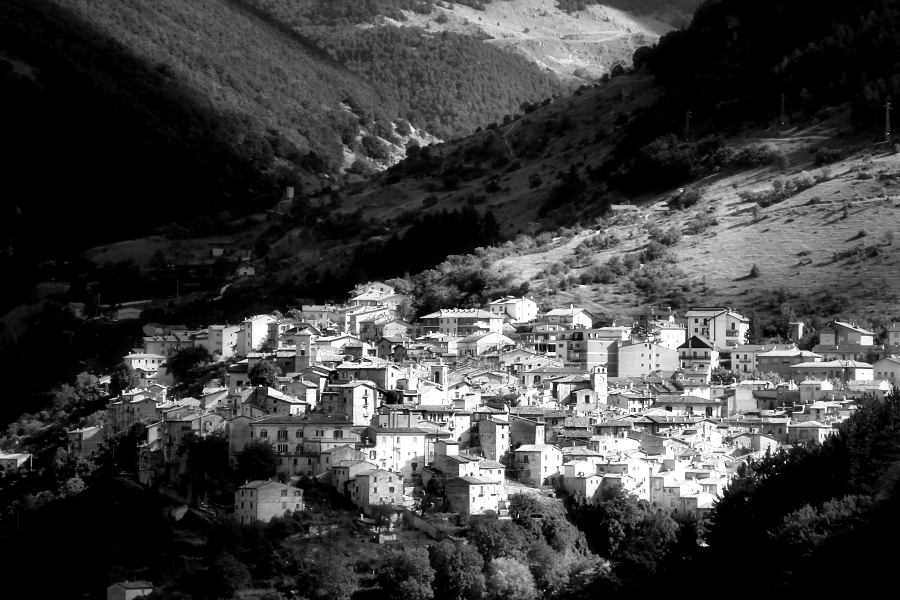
x=227, y=576
x=457, y=571
x=181, y=364
x=124, y=378
x=508, y=579
x=256, y=461
x=327, y=578
x=264, y=373
x=406, y=576
x=496, y=539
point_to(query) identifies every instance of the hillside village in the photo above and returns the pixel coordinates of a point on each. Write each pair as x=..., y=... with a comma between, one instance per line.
x=455, y=413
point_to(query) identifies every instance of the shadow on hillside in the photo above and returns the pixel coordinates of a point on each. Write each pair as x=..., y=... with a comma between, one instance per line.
x=109, y=145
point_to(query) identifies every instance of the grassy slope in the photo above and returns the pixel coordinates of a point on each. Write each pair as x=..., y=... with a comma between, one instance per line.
x=793, y=242
x=590, y=41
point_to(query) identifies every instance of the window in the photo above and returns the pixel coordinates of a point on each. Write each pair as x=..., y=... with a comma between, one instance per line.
x=284, y=492
x=283, y=448
x=297, y=493
x=263, y=434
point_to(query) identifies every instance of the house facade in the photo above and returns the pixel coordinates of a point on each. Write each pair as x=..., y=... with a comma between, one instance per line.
x=462, y=322
x=645, y=358
x=536, y=464
x=261, y=500
x=723, y=327
x=516, y=310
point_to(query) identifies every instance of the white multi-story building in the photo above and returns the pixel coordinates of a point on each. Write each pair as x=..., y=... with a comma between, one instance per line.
x=462, y=322
x=253, y=333
x=517, y=310
x=722, y=326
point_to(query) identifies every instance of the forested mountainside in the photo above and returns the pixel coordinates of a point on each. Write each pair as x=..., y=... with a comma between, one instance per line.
x=738, y=57
x=450, y=84
x=208, y=108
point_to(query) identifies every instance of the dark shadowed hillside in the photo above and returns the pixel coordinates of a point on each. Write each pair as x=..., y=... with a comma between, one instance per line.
x=736, y=60
x=123, y=116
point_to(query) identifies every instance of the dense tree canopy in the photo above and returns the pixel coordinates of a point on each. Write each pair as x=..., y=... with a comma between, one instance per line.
x=430, y=78
x=264, y=373
x=457, y=571
x=257, y=461
x=124, y=378
x=406, y=575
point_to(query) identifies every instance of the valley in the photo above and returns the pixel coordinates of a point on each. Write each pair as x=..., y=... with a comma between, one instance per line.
x=448, y=300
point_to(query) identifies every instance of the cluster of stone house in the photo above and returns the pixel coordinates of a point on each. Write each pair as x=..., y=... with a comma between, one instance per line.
x=456, y=407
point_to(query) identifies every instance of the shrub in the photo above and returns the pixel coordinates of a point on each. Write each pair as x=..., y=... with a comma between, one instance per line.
x=669, y=237
x=430, y=200
x=685, y=198
x=828, y=155
x=700, y=223
x=631, y=262
x=754, y=271
x=403, y=127
x=781, y=160
x=825, y=174
x=653, y=251
x=374, y=148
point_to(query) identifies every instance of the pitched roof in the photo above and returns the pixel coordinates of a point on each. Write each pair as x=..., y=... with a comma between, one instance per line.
x=567, y=312
x=134, y=585
x=834, y=364
x=689, y=343
x=853, y=327
x=536, y=448
x=461, y=313
x=305, y=420
x=675, y=399
x=400, y=430
x=788, y=353
x=474, y=480
x=261, y=483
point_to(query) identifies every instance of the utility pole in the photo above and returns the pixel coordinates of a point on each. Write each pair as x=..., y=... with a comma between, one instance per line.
x=887, y=121
x=687, y=126
x=782, y=110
